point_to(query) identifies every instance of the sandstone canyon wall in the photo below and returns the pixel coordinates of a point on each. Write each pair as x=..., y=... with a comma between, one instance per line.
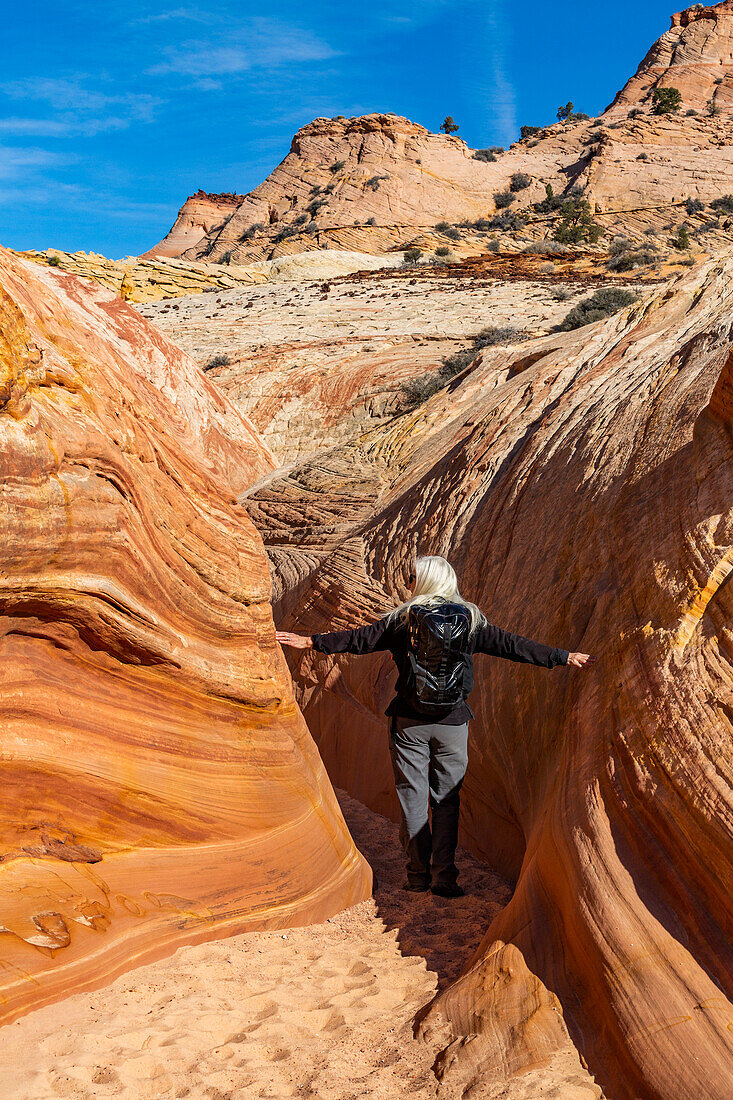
x=200, y=214
x=581, y=485
x=159, y=784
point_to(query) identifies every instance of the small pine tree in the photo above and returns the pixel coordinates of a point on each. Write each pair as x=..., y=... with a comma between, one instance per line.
x=577, y=223
x=682, y=240
x=529, y=131
x=564, y=113
x=448, y=126
x=666, y=101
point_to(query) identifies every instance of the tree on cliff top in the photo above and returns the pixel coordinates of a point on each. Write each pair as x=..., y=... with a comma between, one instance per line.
x=666, y=100
x=448, y=126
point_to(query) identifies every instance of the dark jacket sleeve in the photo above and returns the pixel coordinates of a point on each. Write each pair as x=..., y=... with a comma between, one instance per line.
x=363, y=639
x=500, y=643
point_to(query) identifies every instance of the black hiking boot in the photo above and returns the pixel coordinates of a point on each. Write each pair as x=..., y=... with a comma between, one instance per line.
x=417, y=887
x=448, y=890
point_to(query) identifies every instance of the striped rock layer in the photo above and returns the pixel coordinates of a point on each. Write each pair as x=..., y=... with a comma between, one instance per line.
x=159, y=784
x=581, y=484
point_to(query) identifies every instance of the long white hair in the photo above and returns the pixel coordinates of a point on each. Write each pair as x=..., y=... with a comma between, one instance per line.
x=435, y=580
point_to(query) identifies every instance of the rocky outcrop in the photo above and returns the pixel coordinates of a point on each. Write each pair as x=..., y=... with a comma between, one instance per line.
x=581, y=485
x=380, y=182
x=695, y=56
x=197, y=217
x=156, y=280
x=159, y=784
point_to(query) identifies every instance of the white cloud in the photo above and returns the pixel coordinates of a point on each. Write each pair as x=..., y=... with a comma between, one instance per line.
x=261, y=43
x=18, y=162
x=80, y=109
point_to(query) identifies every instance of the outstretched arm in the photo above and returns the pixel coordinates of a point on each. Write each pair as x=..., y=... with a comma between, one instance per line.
x=364, y=639
x=514, y=647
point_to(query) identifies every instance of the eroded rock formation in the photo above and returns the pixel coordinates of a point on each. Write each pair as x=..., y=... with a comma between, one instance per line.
x=199, y=214
x=379, y=182
x=159, y=784
x=695, y=56
x=581, y=485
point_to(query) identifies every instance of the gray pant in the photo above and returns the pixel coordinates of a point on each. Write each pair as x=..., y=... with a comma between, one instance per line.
x=429, y=764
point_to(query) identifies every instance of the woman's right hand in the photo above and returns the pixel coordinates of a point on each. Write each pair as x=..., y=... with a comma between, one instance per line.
x=296, y=641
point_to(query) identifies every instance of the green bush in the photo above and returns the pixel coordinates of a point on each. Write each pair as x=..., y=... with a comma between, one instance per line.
x=643, y=156
x=694, y=206
x=724, y=204
x=374, y=181
x=509, y=221
x=564, y=113
x=442, y=251
x=544, y=248
x=371, y=221
x=412, y=255
x=217, y=361
x=54, y=261
x=452, y=233
x=530, y=131
x=681, y=240
x=252, y=231
x=285, y=232
x=692, y=112
x=519, y=181
x=504, y=199
x=448, y=126
x=604, y=303
x=666, y=101
x=337, y=166
x=635, y=112
x=315, y=206
x=497, y=149
x=577, y=223
x=493, y=246
x=484, y=154
x=625, y=255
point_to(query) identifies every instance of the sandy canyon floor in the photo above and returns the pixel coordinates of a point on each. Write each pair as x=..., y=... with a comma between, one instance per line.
x=324, y=1011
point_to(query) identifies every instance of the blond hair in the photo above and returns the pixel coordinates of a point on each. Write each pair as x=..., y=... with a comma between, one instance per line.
x=435, y=580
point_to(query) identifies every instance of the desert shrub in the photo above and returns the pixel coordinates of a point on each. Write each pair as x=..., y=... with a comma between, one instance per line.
x=692, y=112
x=643, y=156
x=681, y=239
x=713, y=108
x=374, y=181
x=650, y=231
x=418, y=161
x=724, y=204
x=448, y=125
x=562, y=295
x=533, y=144
x=337, y=166
x=442, y=251
x=54, y=261
x=694, y=206
x=508, y=221
x=708, y=226
x=594, y=135
x=217, y=361
x=504, y=199
x=519, y=181
x=484, y=154
x=603, y=303
x=252, y=231
x=415, y=391
x=371, y=221
x=718, y=80
x=497, y=149
x=550, y=203
x=496, y=334
x=666, y=101
x=547, y=269
x=635, y=112
x=689, y=261
x=452, y=233
x=412, y=255
x=493, y=246
x=577, y=223
x=301, y=219
x=441, y=227
x=311, y=227
x=625, y=255
x=543, y=248
x=564, y=113
x=315, y=206
x=530, y=131
x=316, y=189
x=285, y=232
x=329, y=189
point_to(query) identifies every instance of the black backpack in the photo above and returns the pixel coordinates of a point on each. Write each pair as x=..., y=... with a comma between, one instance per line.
x=437, y=643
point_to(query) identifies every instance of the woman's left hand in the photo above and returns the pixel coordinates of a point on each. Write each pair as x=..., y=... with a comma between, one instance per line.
x=296, y=641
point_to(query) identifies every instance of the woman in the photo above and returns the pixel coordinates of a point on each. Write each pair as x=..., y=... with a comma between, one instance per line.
x=430, y=712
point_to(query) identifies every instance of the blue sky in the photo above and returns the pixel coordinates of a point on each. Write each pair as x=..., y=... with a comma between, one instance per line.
x=112, y=113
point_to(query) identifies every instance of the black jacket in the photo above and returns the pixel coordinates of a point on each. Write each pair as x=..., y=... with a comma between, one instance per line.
x=384, y=635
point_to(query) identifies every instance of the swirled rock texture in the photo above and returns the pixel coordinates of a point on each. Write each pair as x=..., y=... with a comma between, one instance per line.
x=695, y=56
x=159, y=784
x=199, y=214
x=581, y=485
